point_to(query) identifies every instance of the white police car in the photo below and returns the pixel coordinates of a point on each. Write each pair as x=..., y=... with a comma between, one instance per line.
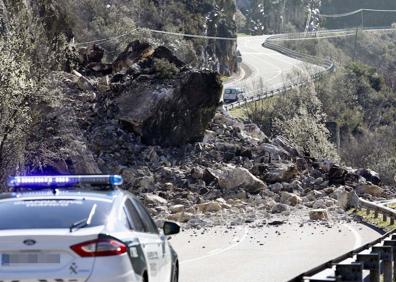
x=80, y=228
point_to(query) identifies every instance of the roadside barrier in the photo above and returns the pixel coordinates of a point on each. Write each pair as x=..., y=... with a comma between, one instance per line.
x=274, y=43
x=374, y=262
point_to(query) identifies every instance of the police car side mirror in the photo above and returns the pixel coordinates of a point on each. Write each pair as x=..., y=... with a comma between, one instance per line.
x=171, y=228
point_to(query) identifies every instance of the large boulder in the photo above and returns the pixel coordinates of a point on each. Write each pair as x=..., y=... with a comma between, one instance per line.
x=232, y=177
x=171, y=112
x=346, y=198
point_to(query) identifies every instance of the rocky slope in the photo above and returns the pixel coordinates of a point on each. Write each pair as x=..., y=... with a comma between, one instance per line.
x=159, y=128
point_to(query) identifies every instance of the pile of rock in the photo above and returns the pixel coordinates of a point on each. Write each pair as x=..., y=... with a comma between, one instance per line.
x=186, y=161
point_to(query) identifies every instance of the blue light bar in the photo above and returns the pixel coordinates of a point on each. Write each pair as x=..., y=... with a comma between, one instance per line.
x=63, y=180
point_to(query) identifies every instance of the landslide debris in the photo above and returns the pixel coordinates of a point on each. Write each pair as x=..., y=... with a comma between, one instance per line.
x=183, y=156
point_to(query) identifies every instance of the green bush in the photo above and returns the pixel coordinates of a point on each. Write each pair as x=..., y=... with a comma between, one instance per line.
x=297, y=115
x=165, y=69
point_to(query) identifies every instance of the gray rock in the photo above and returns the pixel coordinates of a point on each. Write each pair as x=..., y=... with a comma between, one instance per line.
x=369, y=175
x=176, y=208
x=279, y=208
x=290, y=199
x=237, y=177
x=275, y=153
x=319, y=204
x=276, y=187
x=286, y=145
x=280, y=172
x=152, y=199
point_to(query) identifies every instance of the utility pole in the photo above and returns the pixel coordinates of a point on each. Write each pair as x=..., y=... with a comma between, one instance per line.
x=357, y=31
x=354, y=49
x=362, y=15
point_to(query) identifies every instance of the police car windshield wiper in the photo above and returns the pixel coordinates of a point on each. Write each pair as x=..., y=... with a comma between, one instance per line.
x=83, y=222
x=78, y=224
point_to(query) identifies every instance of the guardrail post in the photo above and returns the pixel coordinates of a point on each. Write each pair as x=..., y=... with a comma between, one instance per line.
x=367, y=211
x=375, y=213
x=392, y=220
x=349, y=272
x=386, y=254
x=371, y=262
x=384, y=217
x=392, y=243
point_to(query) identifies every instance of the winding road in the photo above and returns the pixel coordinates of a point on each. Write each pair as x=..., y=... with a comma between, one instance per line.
x=265, y=69
x=268, y=253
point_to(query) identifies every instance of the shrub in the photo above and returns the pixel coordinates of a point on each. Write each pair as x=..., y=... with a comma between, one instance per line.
x=165, y=69
x=297, y=115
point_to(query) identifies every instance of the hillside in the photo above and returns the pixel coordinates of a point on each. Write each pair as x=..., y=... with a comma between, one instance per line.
x=90, y=20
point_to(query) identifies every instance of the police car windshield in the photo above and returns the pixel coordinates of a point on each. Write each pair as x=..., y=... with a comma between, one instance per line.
x=51, y=213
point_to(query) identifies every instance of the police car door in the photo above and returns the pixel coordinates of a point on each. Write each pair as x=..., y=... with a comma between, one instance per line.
x=165, y=252
x=150, y=243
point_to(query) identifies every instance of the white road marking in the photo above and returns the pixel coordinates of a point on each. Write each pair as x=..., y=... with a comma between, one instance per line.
x=219, y=251
x=358, y=238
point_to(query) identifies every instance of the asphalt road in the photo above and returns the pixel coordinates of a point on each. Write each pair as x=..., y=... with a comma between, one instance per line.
x=246, y=254
x=264, y=68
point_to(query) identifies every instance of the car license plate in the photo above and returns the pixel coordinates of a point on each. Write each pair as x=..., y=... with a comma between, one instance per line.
x=29, y=258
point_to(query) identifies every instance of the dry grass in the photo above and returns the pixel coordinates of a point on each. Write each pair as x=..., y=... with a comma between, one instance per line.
x=375, y=221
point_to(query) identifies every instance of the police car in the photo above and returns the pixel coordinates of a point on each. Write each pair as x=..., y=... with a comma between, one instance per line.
x=81, y=228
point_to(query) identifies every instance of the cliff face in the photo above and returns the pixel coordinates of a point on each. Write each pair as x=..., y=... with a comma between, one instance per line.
x=265, y=16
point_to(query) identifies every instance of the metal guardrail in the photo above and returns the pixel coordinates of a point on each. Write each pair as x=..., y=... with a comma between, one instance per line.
x=375, y=261
x=270, y=43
